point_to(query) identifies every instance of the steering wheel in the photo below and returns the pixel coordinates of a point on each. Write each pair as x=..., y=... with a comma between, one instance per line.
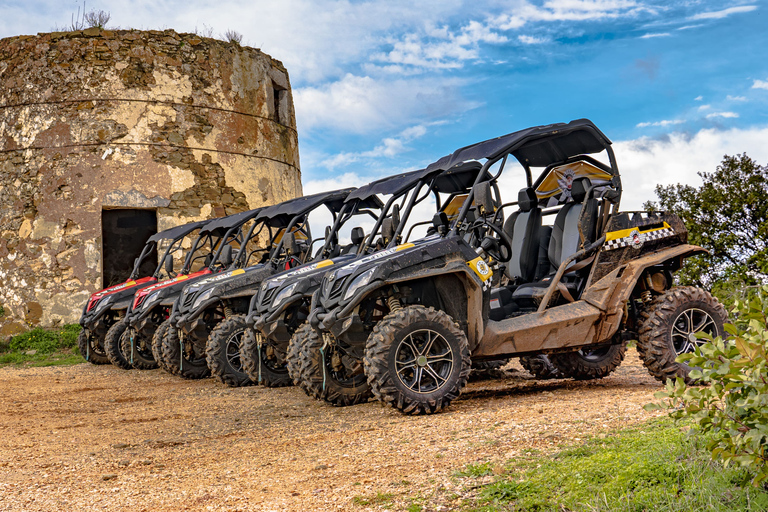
x=500, y=249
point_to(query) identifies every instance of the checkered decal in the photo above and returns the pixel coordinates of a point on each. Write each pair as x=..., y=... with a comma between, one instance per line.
x=648, y=236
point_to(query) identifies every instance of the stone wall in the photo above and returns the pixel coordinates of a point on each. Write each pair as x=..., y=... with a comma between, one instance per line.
x=192, y=127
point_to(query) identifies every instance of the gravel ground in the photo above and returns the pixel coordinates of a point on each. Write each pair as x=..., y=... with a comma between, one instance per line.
x=98, y=438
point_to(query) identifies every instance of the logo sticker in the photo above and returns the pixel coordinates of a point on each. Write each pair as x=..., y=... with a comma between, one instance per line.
x=481, y=268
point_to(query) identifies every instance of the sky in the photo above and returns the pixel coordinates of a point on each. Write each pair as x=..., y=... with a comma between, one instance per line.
x=388, y=86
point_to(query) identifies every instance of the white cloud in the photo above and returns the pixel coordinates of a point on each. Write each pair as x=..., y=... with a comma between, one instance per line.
x=659, y=34
x=730, y=115
x=388, y=148
x=646, y=162
x=532, y=39
x=439, y=48
x=688, y=27
x=716, y=15
x=362, y=104
x=567, y=10
x=704, y=107
x=665, y=122
x=698, y=98
x=736, y=98
x=760, y=84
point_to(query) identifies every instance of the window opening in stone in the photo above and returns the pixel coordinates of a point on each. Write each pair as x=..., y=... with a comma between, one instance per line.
x=123, y=235
x=278, y=95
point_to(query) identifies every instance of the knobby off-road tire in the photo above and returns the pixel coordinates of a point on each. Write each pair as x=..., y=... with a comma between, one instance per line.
x=262, y=368
x=294, y=353
x=589, y=364
x=91, y=347
x=112, y=346
x=318, y=378
x=223, y=352
x=139, y=351
x=668, y=325
x=179, y=362
x=417, y=360
x=157, y=345
x=540, y=367
x=489, y=365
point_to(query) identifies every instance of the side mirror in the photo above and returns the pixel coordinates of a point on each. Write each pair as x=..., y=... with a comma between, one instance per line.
x=289, y=244
x=483, y=198
x=226, y=255
x=168, y=264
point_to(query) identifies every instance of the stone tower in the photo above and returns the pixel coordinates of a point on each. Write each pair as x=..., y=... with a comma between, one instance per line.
x=167, y=127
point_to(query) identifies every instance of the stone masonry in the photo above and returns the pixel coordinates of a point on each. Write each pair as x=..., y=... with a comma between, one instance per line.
x=192, y=127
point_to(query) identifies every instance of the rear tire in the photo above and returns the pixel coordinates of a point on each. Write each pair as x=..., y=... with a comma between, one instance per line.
x=417, y=360
x=223, y=352
x=540, y=367
x=319, y=379
x=138, y=353
x=157, y=345
x=668, y=326
x=185, y=363
x=91, y=347
x=112, y=346
x=589, y=364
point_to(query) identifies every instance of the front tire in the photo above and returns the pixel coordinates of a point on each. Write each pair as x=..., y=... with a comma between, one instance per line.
x=262, y=364
x=157, y=345
x=293, y=364
x=91, y=347
x=589, y=364
x=668, y=326
x=112, y=346
x=137, y=349
x=183, y=359
x=223, y=352
x=417, y=360
x=322, y=379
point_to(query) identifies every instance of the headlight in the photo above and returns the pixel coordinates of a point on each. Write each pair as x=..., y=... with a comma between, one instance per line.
x=202, y=298
x=149, y=300
x=284, y=294
x=358, y=282
x=103, y=304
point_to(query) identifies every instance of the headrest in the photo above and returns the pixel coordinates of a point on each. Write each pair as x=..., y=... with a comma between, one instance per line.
x=579, y=189
x=526, y=199
x=357, y=235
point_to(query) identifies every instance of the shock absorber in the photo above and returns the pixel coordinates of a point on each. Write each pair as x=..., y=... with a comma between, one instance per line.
x=228, y=311
x=394, y=304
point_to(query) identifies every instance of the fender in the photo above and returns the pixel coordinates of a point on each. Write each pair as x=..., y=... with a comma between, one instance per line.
x=610, y=293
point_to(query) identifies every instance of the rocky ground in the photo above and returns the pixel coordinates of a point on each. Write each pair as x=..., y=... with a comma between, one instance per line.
x=98, y=438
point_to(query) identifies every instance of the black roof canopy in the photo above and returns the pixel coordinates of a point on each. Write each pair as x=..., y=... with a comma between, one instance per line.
x=390, y=185
x=223, y=224
x=178, y=231
x=280, y=215
x=538, y=146
x=458, y=178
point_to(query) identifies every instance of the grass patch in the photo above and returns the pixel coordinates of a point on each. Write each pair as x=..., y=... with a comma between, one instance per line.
x=42, y=347
x=652, y=467
x=381, y=498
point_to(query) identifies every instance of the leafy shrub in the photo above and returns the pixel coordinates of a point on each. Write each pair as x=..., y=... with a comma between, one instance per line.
x=46, y=341
x=733, y=408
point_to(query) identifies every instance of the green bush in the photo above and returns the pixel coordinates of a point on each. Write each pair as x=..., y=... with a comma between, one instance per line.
x=733, y=408
x=45, y=341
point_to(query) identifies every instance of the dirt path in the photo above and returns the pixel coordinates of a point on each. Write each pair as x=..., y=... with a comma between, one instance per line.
x=96, y=437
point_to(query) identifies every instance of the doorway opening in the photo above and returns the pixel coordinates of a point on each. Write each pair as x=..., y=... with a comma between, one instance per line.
x=123, y=235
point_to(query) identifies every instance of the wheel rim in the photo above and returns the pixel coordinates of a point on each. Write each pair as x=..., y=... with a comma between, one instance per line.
x=343, y=376
x=233, y=351
x=423, y=361
x=97, y=347
x=271, y=361
x=685, y=327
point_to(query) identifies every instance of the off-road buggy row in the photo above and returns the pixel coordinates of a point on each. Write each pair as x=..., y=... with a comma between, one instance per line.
x=556, y=276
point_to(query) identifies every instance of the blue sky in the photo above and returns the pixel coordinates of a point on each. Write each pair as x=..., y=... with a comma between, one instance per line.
x=387, y=86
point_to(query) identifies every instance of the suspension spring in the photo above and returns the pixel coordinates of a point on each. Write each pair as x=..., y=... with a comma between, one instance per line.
x=646, y=296
x=228, y=312
x=394, y=304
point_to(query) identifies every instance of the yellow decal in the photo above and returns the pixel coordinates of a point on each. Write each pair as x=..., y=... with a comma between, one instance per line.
x=324, y=263
x=129, y=283
x=481, y=268
x=182, y=277
x=615, y=235
x=404, y=247
x=237, y=272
